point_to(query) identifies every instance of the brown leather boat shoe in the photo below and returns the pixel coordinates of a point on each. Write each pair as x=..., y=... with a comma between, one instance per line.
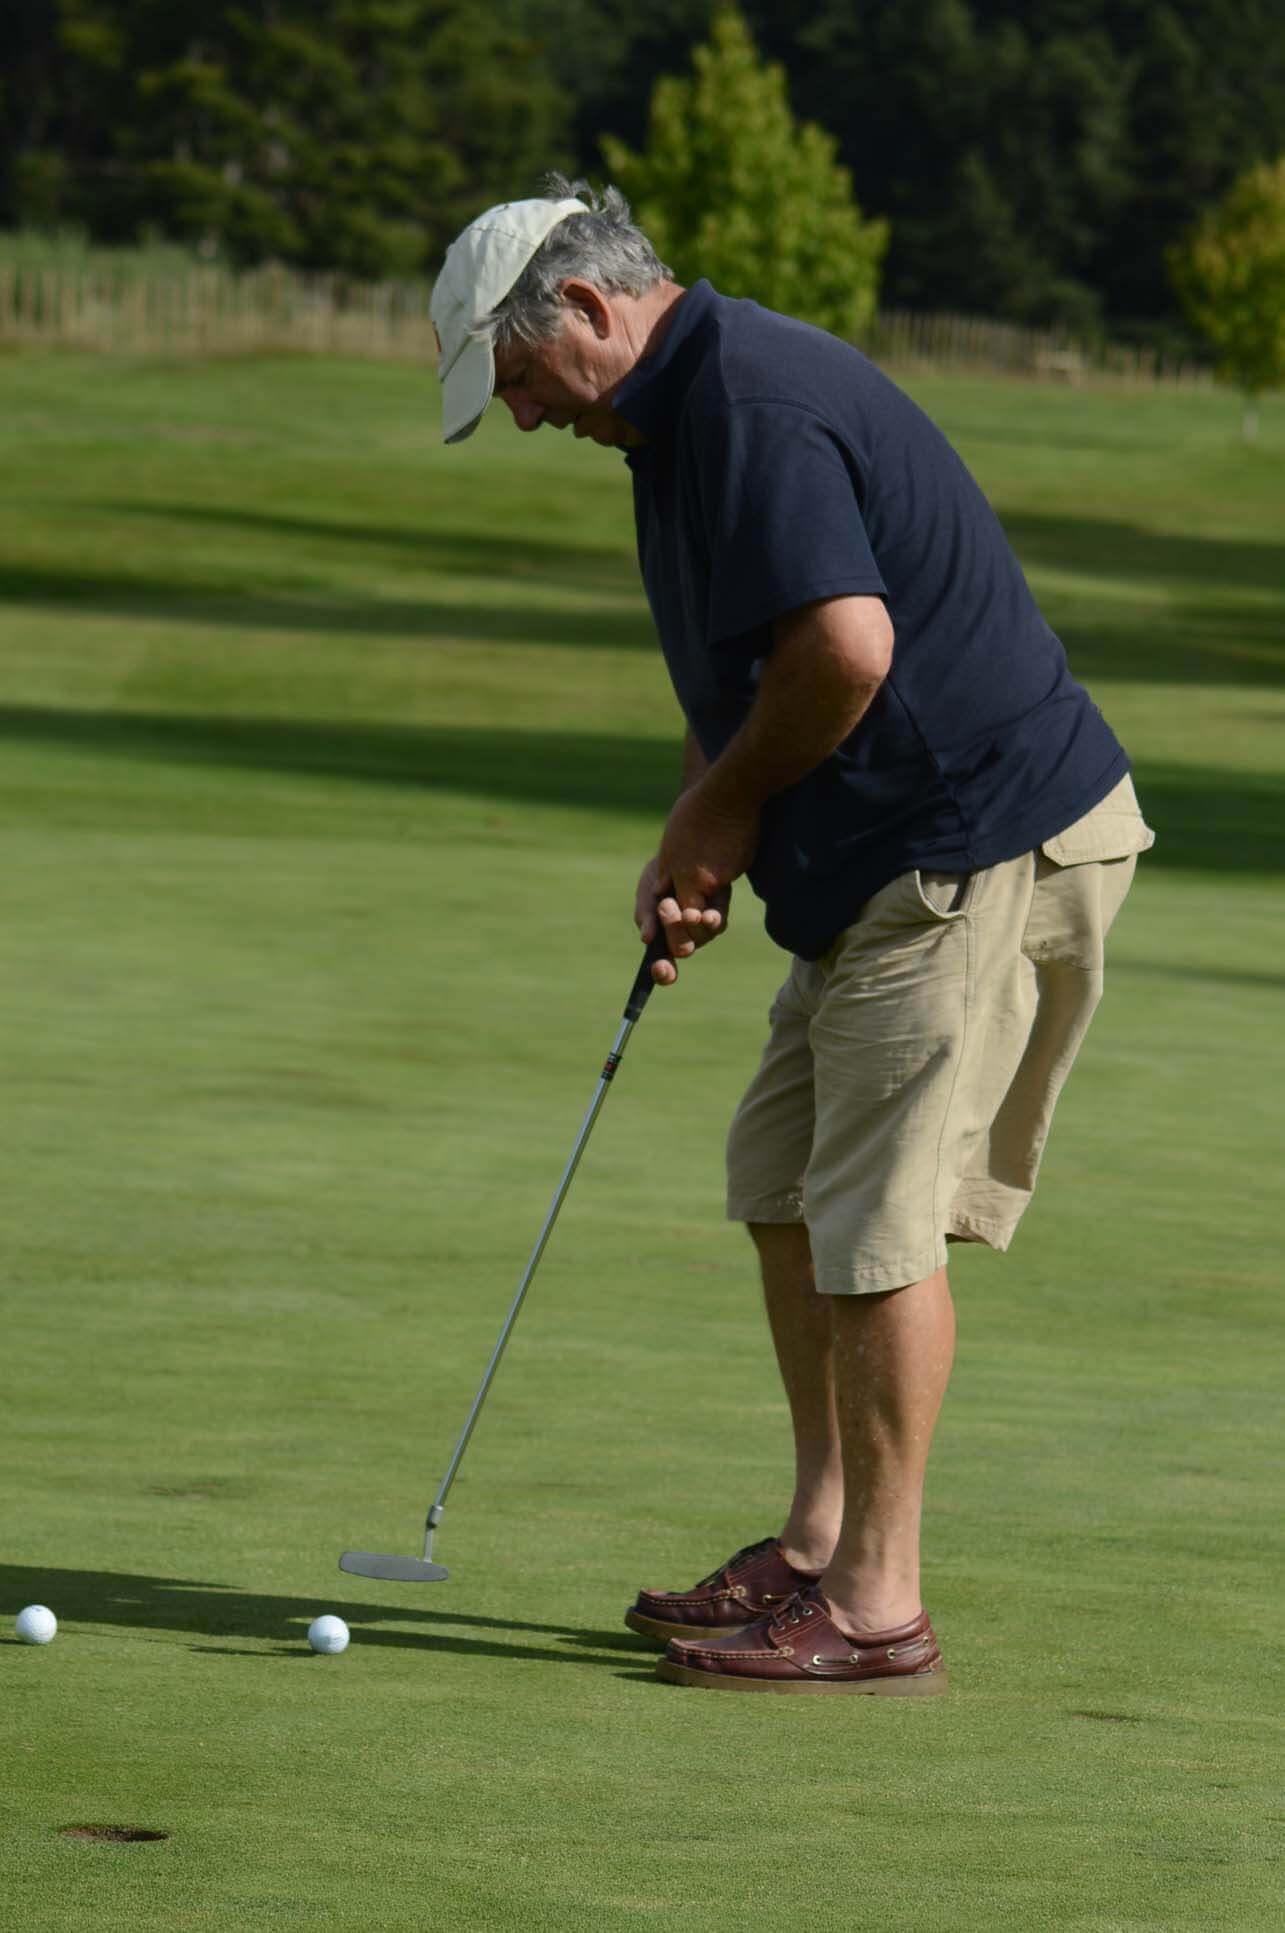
x=800, y=1648
x=752, y=1581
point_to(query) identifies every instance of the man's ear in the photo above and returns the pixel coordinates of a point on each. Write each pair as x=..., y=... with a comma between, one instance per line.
x=591, y=303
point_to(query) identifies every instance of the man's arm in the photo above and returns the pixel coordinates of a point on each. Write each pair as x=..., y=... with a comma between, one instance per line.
x=826, y=664
x=695, y=763
x=652, y=882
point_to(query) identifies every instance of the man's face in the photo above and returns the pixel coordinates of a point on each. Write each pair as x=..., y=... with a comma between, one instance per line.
x=567, y=382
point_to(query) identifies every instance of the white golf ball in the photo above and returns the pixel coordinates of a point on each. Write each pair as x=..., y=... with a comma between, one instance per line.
x=327, y=1634
x=37, y=1624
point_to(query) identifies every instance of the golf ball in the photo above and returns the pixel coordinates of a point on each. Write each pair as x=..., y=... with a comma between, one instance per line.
x=327, y=1634
x=37, y=1624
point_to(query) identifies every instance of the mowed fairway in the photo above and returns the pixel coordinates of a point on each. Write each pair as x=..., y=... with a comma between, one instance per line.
x=330, y=758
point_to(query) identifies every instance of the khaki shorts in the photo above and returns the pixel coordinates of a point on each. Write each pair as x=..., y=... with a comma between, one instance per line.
x=906, y=1091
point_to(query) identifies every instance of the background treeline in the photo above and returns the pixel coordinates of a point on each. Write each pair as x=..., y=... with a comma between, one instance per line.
x=1034, y=158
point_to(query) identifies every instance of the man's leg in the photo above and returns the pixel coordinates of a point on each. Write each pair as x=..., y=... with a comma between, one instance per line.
x=893, y=1355
x=803, y=1335
x=864, y=1376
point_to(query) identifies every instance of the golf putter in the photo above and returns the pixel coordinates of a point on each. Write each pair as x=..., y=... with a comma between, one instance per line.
x=422, y=1570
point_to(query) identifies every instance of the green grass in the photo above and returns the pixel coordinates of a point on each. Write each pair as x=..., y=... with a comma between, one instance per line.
x=330, y=758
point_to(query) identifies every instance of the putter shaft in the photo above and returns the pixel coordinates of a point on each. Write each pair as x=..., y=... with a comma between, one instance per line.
x=413, y=1570
x=600, y=1094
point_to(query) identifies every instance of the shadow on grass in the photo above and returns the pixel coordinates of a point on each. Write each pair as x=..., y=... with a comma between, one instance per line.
x=1200, y=644
x=1094, y=546
x=1205, y=819
x=139, y=1604
x=623, y=623
x=608, y=771
x=1196, y=625
x=458, y=552
x=1101, y=549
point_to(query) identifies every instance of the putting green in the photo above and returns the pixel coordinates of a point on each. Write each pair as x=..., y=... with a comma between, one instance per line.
x=330, y=758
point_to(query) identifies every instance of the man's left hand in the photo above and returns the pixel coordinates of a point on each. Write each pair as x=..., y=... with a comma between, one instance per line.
x=704, y=847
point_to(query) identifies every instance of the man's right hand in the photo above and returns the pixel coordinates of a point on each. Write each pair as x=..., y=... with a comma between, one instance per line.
x=654, y=905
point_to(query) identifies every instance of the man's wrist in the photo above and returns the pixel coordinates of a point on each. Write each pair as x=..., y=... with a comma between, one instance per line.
x=728, y=789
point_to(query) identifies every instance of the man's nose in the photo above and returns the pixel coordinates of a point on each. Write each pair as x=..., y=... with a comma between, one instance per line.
x=527, y=415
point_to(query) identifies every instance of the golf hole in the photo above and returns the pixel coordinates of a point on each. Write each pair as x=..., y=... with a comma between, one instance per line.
x=112, y=1835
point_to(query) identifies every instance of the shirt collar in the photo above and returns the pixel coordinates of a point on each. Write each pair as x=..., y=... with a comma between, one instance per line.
x=650, y=394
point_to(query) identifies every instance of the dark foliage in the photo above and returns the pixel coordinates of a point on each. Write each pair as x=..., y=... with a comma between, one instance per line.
x=349, y=134
x=1035, y=158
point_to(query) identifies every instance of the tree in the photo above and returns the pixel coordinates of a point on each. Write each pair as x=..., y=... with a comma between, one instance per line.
x=732, y=187
x=1092, y=130
x=1229, y=275
x=607, y=57
x=335, y=134
x=990, y=136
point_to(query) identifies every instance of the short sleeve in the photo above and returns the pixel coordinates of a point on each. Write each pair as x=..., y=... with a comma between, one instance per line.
x=778, y=499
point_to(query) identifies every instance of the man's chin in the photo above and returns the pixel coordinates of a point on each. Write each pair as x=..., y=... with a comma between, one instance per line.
x=609, y=432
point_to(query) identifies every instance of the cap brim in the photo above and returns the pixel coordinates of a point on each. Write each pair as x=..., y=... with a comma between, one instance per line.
x=467, y=388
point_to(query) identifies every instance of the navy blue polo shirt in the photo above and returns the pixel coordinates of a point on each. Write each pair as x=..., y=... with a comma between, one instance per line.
x=782, y=467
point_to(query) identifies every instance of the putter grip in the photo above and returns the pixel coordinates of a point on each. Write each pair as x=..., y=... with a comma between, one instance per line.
x=640, y=992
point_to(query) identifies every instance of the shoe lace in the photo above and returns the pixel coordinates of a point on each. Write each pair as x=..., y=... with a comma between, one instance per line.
x=795, y=1610
x=737, y=1557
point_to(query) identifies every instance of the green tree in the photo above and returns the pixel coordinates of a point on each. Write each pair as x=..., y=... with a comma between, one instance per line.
x=732, y=187
x=992, y=137
x=350, y=134
x=1229, y=275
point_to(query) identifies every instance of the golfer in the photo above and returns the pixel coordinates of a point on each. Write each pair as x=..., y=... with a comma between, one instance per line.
x=883, y=736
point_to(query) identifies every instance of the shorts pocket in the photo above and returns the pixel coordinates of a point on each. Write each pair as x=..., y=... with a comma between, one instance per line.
x=943, y=896
x=1113, y=829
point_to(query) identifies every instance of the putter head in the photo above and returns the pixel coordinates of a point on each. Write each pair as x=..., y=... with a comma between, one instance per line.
x=399, y=1570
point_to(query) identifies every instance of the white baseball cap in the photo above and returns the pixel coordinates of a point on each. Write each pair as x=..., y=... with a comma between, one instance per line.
x=481, y=267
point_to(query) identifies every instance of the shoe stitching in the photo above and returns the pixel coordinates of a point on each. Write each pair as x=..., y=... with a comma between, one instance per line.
x=693, y=1655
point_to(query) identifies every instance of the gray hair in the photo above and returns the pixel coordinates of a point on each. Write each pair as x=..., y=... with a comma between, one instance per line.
x=603, y=246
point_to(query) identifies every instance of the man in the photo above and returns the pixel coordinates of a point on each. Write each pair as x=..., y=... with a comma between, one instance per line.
x=884, y=736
